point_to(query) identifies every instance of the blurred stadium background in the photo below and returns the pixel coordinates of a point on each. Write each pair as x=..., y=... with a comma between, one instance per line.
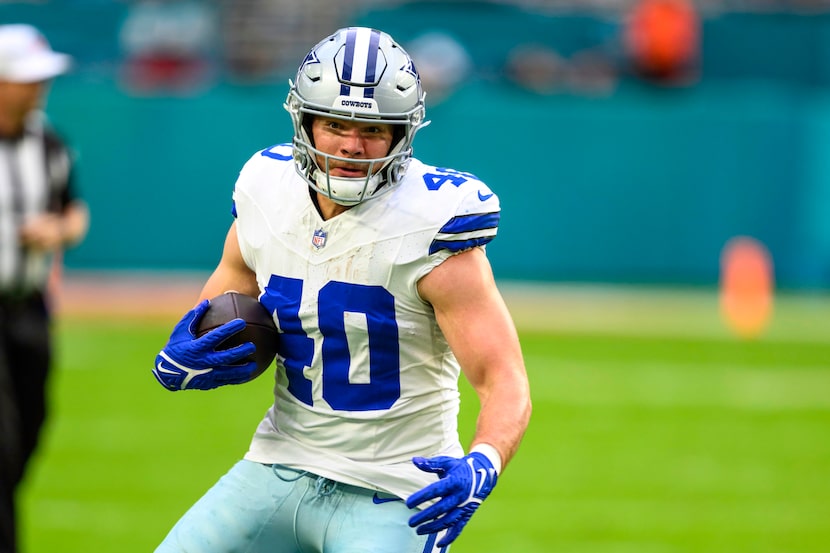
x=631, y=141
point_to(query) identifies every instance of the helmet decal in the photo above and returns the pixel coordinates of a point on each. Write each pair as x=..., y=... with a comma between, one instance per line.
x=311, y=66
x=311, y=57
x=409, y=67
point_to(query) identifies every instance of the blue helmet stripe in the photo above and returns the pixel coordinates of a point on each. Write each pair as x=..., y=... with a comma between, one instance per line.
x=350, y=65
x=371, y=67
x=348, y=60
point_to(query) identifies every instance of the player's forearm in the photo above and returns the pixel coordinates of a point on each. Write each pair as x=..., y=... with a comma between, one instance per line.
x=504, y=416
x=232, y=273
x=223, y=280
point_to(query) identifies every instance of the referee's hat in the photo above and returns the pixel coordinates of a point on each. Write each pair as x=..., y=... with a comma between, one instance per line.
x=26, y=57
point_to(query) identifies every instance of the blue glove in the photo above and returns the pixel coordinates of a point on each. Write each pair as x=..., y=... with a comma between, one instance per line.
x=187, y=362
x=464, y=484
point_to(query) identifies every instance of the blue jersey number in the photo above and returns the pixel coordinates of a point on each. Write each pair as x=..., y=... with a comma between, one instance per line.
x=434, y=181
x=334, y=301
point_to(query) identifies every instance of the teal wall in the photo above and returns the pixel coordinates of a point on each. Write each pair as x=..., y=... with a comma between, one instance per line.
x=644, y=185
x=158, y=172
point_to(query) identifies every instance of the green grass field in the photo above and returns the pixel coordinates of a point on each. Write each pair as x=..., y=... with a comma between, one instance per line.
x=653, y=431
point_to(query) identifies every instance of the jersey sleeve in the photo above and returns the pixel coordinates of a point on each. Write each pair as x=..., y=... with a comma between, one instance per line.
x=278, y=152
x=465, y=216
x=255, y=186
x=474, y=224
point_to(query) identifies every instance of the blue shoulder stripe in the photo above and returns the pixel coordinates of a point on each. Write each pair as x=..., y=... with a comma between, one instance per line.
x=463, y=232
x=458, y=245
x=471, y=223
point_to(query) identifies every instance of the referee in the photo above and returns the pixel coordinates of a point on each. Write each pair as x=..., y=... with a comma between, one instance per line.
x=39, y=216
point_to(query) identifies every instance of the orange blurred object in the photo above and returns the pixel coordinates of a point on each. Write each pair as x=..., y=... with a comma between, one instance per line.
x=747, y=286
x=663, y=37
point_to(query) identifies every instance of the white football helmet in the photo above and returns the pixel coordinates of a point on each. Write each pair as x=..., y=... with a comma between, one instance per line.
x=356, y=74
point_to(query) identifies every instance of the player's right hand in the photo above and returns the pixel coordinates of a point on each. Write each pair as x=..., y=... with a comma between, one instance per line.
x=188, y=362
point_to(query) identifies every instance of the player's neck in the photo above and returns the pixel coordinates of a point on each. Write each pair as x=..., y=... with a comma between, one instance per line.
x=326, y=207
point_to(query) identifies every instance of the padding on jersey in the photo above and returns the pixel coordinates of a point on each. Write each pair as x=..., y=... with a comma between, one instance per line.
x=463, y=232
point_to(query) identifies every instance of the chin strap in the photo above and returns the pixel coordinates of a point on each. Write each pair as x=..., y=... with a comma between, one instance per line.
x=333, y=187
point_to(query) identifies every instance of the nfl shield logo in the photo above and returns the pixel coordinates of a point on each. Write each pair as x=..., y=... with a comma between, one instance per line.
x=319, y=238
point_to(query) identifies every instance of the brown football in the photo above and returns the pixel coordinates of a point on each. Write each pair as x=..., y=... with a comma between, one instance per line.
x=260, y=328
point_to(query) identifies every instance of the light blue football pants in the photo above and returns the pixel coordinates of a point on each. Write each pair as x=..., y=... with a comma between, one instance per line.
x=257, y=508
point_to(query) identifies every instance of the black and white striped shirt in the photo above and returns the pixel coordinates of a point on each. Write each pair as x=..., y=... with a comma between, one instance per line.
x=35, y=177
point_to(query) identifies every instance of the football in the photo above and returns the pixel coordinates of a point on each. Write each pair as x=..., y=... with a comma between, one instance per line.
x=260, y=328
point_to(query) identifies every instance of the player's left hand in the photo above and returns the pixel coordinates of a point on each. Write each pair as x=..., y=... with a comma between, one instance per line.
x=464, y=483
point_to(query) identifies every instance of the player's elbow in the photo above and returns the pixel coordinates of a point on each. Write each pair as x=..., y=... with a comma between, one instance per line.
x=524, y=403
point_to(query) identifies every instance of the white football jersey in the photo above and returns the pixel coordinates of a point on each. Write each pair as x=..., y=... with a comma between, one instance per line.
x=365, y=379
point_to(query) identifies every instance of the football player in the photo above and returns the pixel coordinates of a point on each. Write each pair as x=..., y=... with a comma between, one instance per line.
x=373, y=264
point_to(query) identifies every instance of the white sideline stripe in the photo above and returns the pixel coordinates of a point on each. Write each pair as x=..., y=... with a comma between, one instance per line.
x=656, y=311
x=565, y=307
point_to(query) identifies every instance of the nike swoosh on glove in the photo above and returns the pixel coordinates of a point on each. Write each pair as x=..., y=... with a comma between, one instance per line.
x=464, y=483
x=188, y=362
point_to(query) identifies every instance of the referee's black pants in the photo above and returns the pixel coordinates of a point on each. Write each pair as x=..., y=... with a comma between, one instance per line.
x=25, y=357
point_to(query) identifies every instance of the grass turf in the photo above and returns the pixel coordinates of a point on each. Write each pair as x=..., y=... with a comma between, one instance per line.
x=652, y=442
